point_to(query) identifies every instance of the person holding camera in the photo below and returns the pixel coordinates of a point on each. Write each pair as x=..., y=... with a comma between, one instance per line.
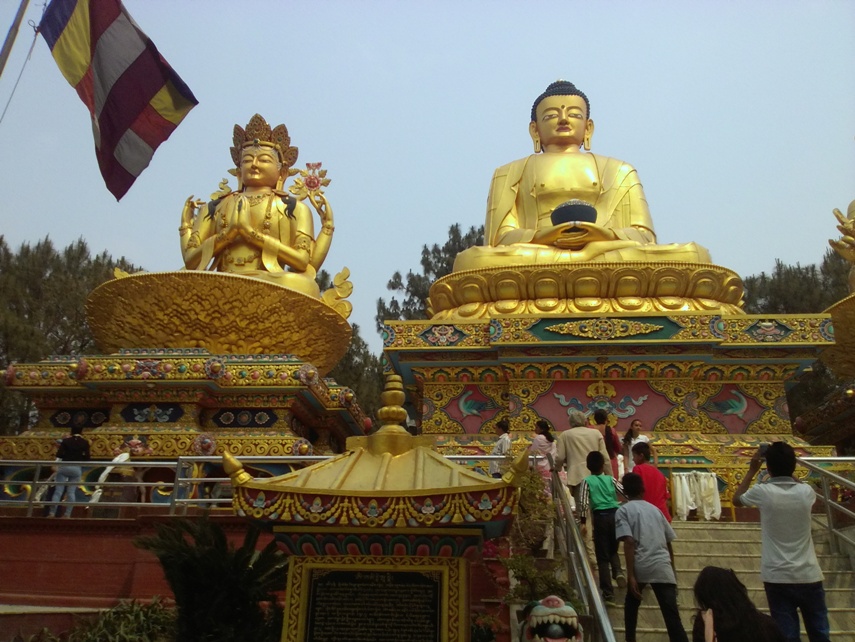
x=788, y=566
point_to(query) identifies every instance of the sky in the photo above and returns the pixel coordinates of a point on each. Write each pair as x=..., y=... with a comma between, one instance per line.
x=739, y=117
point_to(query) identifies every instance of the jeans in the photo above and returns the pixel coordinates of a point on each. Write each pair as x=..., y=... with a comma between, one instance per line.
x=666, y=595
x=606, y=549
x=786, y=600
x=67, y=479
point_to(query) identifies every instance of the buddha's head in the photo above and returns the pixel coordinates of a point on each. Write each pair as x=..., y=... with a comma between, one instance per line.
x=263, y=156
x=560, y=118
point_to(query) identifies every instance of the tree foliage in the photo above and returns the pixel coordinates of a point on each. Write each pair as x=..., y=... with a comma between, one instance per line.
x=413, y=289
x=43, y=291
x=359, y=368
x=798, y=289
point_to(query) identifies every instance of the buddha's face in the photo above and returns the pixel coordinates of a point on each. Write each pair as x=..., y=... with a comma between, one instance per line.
x=260, y=166
x=562, y=121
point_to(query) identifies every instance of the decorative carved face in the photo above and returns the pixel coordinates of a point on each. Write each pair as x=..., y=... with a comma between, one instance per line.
x=260, y=166
x=562, y=121
x=551, y=619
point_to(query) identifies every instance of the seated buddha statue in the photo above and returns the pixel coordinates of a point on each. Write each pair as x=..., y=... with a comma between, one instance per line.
x=260, y=230
x=520, y=230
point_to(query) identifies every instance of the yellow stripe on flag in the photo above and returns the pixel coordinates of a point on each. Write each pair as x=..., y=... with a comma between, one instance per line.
x=72, y=50
x=170, y=104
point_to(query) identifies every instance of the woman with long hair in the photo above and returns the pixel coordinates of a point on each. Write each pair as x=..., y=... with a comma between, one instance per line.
x=543, y=444
x=601, y=419
x=726, y=613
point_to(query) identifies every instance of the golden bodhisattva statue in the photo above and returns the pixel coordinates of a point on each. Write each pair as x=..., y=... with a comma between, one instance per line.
x=260, y=230
x=250, y=263
x=525, y=193
x=569, y=231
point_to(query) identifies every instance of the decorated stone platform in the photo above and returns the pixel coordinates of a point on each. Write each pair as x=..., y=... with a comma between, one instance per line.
x=717, y=377
x=166, y=403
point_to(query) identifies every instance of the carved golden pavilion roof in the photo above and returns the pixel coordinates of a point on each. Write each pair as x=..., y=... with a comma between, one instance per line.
x=388, y=479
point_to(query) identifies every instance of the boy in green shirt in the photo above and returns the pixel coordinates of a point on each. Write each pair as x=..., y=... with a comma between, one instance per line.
x=600, y=492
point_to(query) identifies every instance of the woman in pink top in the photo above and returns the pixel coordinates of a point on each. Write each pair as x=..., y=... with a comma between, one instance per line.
x=543, y=444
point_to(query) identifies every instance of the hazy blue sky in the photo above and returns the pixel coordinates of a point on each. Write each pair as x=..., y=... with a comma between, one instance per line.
x=740, y=118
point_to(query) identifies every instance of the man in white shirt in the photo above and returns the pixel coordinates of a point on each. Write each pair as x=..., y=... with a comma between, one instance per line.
x=788, y=567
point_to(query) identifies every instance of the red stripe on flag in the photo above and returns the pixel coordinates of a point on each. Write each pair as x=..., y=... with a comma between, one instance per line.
x=102, y=13
x=117, y=178
x=152, y=127
x=86, y=92
x=130, y=95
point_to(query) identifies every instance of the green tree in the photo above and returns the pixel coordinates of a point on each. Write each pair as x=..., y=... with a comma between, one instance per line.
x=413, y=290
x=797, y=289
x=43, y=291
x=359, y=369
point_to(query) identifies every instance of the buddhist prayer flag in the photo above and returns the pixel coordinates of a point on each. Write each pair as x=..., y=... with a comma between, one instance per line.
x=134, y=97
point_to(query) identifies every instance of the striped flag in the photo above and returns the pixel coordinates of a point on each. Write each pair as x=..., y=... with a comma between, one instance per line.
x=134, y=97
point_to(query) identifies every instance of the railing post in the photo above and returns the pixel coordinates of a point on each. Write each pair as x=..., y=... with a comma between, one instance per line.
x=829, y=514
x=34, y=489
x=175, y=486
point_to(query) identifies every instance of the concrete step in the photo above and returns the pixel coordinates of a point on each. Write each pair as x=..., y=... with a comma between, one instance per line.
x=737, y=546
x=746, y=561
x=839, y=617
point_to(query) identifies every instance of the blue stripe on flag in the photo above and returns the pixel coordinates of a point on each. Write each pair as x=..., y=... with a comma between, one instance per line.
x=55, y=19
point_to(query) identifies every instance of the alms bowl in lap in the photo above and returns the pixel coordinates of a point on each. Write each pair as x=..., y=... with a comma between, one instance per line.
x=223, y=313
x=560, y=289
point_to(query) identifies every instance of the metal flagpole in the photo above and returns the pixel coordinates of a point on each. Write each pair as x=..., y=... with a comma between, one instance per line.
x=13, y=33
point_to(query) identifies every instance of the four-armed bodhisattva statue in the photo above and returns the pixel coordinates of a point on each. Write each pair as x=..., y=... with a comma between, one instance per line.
x=260, y=230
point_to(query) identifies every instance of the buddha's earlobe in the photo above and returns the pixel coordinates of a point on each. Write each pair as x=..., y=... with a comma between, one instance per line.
x=535, y=137
x=589, y=133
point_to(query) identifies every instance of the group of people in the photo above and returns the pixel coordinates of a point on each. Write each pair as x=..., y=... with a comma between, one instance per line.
x=789, y=569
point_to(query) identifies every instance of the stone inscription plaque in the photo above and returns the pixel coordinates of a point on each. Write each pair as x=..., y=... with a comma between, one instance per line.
x=374, y=606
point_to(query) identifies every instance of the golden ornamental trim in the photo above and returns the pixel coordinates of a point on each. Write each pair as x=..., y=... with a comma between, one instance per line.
x=604, y=329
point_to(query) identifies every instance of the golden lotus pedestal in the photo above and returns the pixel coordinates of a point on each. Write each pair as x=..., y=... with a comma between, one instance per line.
x=195, y=363
x=710, y=386
x=586, y=288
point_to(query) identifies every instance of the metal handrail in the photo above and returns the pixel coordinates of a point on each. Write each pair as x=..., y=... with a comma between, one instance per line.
x=832, y=506
x=578, y=565
x=179, y=489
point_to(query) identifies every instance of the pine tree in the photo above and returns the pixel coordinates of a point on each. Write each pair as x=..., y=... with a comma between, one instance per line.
x=43, y=293
x=436, y=262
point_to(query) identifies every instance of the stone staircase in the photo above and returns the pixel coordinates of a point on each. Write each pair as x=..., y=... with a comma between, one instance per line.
x=737, y=546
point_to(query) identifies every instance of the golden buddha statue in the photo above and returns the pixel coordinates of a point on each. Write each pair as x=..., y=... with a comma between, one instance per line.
x=569, y=231
x=260, y=230
x=525, y=193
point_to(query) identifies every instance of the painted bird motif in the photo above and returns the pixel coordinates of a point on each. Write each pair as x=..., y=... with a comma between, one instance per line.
x=470, y=407
x=736, y=406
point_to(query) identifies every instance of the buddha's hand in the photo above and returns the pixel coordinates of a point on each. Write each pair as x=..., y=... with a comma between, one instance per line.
x=188, y=214
x=325, y=212
x=845, y=246
x=575, y=235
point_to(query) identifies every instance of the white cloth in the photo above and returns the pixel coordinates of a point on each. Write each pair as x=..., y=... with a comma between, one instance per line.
x=628, y=463
x=787, y=555
x=501, y=448
x=696, y=490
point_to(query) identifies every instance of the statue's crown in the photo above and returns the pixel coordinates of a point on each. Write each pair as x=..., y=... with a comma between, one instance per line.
x=259, y=132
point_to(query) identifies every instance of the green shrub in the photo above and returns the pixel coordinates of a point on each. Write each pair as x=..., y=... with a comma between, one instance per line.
x=220, y=592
